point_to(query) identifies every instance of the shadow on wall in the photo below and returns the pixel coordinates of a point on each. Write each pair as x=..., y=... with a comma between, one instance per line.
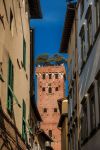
x=10, y=139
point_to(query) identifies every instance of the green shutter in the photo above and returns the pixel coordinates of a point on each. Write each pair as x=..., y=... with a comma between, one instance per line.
x=10, y=84
x=24, y=53
x=24, y=121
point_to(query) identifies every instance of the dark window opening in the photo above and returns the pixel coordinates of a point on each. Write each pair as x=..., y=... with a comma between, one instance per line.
x=45, y=110
x=92, y=108
x=50, y=90
x=56, y=88
x=56, y=76
x=43, y=76
x=55, y=109
x=50, y=133
x=84, y=121
x=50, y=76
x=43, y=89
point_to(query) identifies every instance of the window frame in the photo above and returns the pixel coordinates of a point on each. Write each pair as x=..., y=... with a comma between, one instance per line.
x=84, y=120
x=83, y=46
x=91, y=93
x=89, y=27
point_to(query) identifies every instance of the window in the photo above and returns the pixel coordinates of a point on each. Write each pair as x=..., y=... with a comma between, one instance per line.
x=84, y=121
x=43, y=89
x=50, y=133
x=24, y=53
x=50, y=76
x=49, y=90
x=56, y=88
x=82, y=37
x=45, y=110
x=43, y=76
x=92, y=108
x=10, y=86
x=56, y=76
x=82, y=7
x=24, y=120
x=97, y=8
x=11, y=22
x=89, y=28
x=55, y=109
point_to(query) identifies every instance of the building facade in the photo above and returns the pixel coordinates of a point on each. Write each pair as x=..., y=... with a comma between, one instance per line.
x=63, y=122
x=14, y=69
x=69, y=45
x=51, y=87
x=89, y=73
x=84, y=75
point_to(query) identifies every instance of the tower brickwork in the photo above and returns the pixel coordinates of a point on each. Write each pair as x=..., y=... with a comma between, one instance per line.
x=50, y=88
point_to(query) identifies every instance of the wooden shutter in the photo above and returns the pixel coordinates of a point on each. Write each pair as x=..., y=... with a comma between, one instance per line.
x=24, y=121
x=10, y=84
x=24, y=53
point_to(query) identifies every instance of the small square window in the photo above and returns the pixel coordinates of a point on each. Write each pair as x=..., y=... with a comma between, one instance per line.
x=56, y=76
x=55, y=109
x=45, y=110
x=43, y=89
x=56, y=88
x=43, y=76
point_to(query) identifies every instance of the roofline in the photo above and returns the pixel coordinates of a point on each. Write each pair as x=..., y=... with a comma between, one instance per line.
x=67, y=27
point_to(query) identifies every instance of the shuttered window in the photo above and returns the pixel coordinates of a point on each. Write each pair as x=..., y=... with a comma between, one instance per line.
x=24, y=121
x=10, y=87
x=24, y=53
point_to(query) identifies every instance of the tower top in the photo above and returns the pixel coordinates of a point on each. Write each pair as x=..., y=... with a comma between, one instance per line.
x=51, y=69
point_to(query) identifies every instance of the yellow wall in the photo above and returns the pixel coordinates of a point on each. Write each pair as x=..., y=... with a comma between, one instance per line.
x=12, y=46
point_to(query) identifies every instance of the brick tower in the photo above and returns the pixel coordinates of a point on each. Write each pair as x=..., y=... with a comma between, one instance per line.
x=50, y=88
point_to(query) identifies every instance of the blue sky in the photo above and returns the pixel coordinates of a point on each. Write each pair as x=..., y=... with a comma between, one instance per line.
x=48, y=30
